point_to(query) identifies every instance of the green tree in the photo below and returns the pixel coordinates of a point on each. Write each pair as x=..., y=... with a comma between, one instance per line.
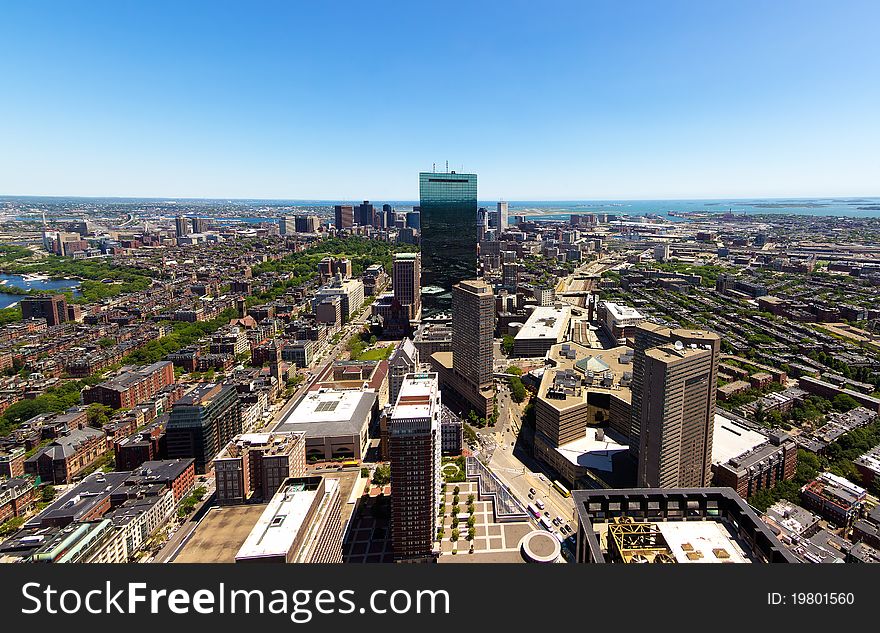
x=507, y=344
x=844, y=402
x=382, y=475
x=517, y=390
x=98, y=414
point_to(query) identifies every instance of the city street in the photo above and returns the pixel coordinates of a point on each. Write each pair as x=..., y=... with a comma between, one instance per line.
x=517, y=470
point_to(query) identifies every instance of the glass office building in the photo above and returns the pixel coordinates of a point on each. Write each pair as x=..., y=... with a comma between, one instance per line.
x=448, y=205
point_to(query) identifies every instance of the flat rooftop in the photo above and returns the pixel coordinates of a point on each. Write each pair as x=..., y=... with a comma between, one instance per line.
x=278, y=527
x=730, y=439
x=419, y=397
x=330, y=412
x=547, y=322
x=703, y=542
x=220, y=534
x=620, y=312
x=589, y=452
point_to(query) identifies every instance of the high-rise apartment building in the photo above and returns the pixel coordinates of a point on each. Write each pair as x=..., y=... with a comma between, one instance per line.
x=414, y=439
x=407, y=280
x=344, y=216
x=473, y=322
x=676, y=408
x=501, y=217
x=182, y=225
x=448, y=218
x=52, y=308
x=254, y=465
x=200, y=225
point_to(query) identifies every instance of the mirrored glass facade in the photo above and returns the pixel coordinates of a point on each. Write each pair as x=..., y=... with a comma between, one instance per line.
x=448, y=235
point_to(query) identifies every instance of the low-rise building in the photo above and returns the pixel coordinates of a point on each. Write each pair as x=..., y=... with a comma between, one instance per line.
x=834, y=498
x=335, y=423
x=253, y=465
x=545, y=327
x=301, y=524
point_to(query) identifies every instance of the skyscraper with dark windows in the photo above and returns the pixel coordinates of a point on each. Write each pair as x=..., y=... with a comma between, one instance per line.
x=390, y=215
x=364, y=214
x=448, y=218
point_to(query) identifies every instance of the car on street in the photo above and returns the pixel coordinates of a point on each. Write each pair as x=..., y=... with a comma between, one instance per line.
x=531, y=491
x=547, y=514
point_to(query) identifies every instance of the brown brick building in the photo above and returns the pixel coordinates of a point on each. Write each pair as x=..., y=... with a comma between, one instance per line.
x=132, y=386
x=67, y=456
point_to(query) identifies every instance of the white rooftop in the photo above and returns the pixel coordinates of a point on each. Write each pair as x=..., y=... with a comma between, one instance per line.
x=547, y=322
x=731, y=440
x=328, y=405
x=281, y=521
x=588, y=452
x=620, y=312
x=703, y=537
x=418, y=397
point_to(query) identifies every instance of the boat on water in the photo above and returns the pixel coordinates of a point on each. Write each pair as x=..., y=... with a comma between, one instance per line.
x=34, y=277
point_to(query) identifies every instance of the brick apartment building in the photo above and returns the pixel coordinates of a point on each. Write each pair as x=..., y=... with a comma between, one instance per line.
x=132, y=386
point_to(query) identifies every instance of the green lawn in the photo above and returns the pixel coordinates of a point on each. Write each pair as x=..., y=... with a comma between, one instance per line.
x=380, y=353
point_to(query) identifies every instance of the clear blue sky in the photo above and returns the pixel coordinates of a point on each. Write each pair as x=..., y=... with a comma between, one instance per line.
x=338, y=100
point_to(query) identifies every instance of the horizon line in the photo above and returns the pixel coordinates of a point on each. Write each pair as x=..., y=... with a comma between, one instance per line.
x=394, y=199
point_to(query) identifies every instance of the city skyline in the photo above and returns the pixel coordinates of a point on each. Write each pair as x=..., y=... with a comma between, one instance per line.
x=687, y=101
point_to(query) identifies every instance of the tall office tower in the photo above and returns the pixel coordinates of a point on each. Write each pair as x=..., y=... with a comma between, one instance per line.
x=390, y=215
x=413, y=219
x=407, y=279
x=363, y=214
x=414, y=444
x=200, y=225
x=473, y=322
x=53, y=308
x=482, y=223
x=182, y=225
x=647, y=335
x=344, y=216
x=677, y=416
x=287, y=226
x=501, y=213
x=202, y=422
x=448, y=207
x=306, y=223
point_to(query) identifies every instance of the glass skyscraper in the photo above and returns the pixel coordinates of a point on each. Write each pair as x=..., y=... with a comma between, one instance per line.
x=448, y=220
